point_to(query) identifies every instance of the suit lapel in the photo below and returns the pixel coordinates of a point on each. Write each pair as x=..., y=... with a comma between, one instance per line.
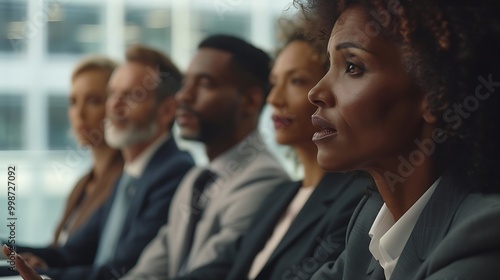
x=152, y=173
x=431, y=227
x=316, y=206
x=262, y=230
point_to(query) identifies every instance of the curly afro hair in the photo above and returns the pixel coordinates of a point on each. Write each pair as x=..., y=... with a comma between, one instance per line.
x=452, y=50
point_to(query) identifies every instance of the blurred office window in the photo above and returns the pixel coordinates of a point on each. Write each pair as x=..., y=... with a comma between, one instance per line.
x=58, y=123
x=11, y=122
x=54, y=35
x=207, y=22
x=13, y=25
x=148, y=27
x=74, y=29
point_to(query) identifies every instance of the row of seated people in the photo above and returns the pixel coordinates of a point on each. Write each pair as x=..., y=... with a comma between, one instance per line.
x=221, y=110
x=378, y=104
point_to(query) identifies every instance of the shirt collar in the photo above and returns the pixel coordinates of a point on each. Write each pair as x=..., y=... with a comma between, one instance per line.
x=389, y=237
x=137, y=166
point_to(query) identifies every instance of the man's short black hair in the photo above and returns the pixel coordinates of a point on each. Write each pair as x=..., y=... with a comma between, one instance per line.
x=251, y=63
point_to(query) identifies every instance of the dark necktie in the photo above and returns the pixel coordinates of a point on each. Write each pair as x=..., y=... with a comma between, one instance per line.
x=205, y=179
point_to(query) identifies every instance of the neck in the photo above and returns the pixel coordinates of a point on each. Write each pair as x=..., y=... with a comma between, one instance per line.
x=102, y=156
x=224, y=142
x=312, y=171
x=130, y=153
x=401, y=186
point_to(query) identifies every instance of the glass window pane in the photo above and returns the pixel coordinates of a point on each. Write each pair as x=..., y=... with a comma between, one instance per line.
x=74, y=29
x=11, y=122
x=59, y=129
x=13, y=30
x=208, y=22
x=149, y=27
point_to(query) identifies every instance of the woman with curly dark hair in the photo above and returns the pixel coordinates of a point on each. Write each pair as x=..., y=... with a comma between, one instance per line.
x=412, y=97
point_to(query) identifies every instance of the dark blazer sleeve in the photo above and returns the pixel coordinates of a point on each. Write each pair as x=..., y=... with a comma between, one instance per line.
x=80, y=247
x=74, y=259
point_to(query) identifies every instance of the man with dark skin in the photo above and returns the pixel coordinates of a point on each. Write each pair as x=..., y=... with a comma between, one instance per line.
x=223, y=91
x=219, y=104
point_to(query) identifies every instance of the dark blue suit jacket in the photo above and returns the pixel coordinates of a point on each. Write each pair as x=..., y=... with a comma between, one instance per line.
x=147, y=213
x=457, y=236
x=315, y=236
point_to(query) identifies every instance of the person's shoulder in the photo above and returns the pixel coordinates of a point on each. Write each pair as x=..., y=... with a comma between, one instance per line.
x=471, y=248
x=476, y=205
x=475, y=222
x=257, y=161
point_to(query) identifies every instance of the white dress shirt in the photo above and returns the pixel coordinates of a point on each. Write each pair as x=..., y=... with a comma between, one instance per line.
x=137, y=166
x=389, y=237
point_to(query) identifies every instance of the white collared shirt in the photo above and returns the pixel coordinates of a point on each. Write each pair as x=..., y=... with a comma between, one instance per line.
x=137, y=166
x=389, y=238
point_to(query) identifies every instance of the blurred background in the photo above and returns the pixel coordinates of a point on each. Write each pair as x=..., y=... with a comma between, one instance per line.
x=40, y=42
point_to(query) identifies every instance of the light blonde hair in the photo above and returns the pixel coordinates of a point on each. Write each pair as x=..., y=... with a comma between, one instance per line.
x=95, y=62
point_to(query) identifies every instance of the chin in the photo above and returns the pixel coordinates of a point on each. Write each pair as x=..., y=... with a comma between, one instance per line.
x=189, y=135
x=85, y=144
x=331, y=163
x=82, y=140
x=287, y=139
x=282, y=140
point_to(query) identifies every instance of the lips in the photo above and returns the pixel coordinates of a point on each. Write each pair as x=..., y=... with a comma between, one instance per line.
x=116, y=121
x=184, y=117
x=82, y=129
x=326, y=128
x=280, y=121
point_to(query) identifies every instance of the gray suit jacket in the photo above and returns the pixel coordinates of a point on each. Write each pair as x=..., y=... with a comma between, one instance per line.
x=246, y=175
x=457, y=236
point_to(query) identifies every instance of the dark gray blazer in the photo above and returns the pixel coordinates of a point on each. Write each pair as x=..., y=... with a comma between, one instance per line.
x=315, y=236
x=457, y=236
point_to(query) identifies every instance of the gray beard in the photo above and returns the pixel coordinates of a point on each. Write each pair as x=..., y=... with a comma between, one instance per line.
x=131, y=135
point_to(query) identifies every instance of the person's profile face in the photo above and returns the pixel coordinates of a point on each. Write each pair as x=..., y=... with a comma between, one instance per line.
x=297, y=69
x=131, y=98
x=209, y=99
x=369, y=111
x=86, y=110
x=132, y=109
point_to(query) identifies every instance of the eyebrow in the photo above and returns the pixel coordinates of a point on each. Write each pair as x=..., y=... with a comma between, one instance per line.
x=346, y=45
x=204, y=75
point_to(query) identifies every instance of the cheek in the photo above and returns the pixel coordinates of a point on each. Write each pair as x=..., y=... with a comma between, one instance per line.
x=71, y=115
x=370, y=105
x=381, y=122
x=98, y=113
x=219, y=108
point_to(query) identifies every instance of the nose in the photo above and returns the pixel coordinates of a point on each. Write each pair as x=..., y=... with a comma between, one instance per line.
x=275, y=97
x=76, y=111
x=116, y=105
x=80, y=112
x=320, y=95
x=185, y=94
